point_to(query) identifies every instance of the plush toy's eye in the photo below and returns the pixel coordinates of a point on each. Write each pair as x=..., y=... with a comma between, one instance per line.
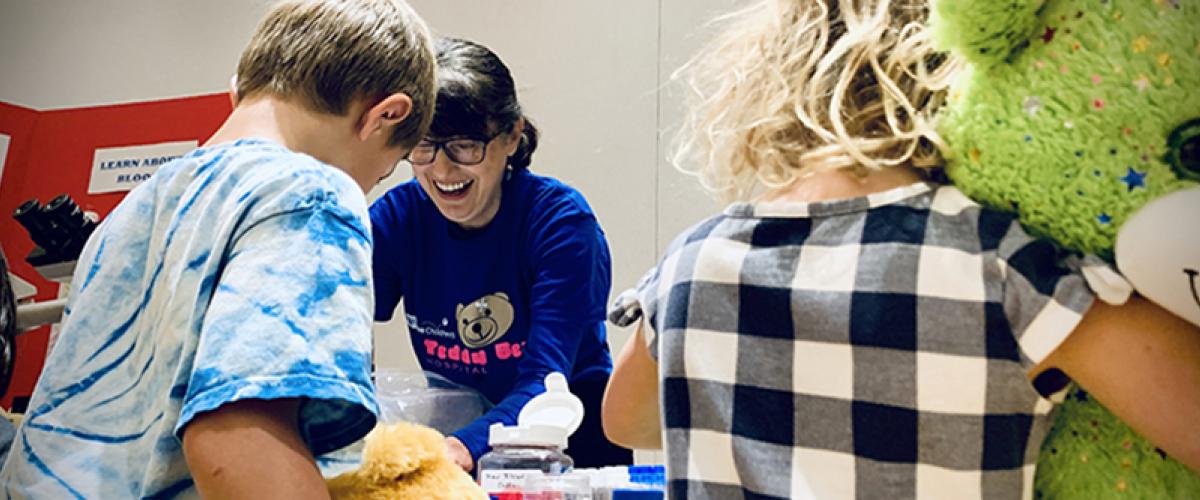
x=1183, y=150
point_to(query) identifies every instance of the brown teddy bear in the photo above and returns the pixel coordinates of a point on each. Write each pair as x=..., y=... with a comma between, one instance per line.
x=405, y=461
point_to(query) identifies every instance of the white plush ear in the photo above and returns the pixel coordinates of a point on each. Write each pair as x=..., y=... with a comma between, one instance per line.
x=985, y=32
x=1158, y=250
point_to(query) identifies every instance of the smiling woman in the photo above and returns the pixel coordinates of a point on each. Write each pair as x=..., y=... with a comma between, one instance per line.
x=514, y=263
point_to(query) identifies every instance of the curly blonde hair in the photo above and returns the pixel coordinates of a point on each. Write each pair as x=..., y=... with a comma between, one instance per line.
x=796, y=87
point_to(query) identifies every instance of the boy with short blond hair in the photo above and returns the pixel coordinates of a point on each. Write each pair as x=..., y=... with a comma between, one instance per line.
x=218, y=335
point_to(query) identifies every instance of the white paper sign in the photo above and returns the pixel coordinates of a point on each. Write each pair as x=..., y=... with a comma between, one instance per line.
x=121, y=169
x=4, y=140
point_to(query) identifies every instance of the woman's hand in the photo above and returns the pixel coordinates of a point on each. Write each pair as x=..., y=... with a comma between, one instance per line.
x=459, y=454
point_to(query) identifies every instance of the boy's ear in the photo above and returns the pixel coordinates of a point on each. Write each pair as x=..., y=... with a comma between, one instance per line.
x=385, y=114
x=233, y=96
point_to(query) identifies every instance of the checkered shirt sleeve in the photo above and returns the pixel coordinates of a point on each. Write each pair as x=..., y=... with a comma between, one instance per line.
x=1045, y=295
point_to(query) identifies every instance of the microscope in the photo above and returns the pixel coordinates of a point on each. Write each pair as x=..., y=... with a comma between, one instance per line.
x=59, y=229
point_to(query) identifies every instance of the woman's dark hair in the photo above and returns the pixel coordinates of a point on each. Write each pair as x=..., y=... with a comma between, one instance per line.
x=477, y=96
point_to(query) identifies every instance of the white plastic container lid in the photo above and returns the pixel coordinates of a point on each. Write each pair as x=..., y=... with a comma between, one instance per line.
x=527, y=435
x=546, y=420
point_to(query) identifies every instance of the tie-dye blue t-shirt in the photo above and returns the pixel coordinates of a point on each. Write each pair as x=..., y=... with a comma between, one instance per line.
x=239, y=271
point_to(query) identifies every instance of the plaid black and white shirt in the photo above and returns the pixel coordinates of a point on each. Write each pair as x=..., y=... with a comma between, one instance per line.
x=867, y=348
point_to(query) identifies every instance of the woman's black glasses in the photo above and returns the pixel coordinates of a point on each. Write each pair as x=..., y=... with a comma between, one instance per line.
x=460, y=150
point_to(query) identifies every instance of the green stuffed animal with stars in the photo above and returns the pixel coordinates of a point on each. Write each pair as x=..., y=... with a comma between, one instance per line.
x=1080, y=116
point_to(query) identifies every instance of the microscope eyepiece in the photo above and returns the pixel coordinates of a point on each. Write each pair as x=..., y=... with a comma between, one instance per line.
x=31, y=216
x=59, y=227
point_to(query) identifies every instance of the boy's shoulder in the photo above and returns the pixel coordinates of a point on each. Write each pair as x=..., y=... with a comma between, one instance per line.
x=263, y=179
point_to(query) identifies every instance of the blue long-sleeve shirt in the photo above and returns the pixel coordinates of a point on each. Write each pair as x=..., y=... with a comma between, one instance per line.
x=497, y=308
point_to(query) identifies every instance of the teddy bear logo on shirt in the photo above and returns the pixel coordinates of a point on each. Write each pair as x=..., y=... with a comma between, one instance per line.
x=483, y=321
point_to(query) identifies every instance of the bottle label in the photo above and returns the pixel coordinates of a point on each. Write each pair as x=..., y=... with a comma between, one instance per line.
x=500, y=480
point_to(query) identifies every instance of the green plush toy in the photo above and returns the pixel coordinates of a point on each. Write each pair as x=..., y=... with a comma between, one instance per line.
x=1076, y=114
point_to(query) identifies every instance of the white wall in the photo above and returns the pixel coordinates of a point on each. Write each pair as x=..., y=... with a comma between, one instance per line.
x=71, y=53
x=592, y=74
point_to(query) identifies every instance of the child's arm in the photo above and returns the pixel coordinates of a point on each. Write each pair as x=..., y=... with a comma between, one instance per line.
x=1143, y=364
x=630, y=409
x=288, y=320
x=251, y=449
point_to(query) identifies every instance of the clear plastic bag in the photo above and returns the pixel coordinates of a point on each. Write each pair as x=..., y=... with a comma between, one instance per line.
x=428, y=399
x=412, y=396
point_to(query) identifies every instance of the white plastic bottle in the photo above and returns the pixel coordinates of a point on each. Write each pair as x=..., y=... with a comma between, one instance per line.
x=535, y=445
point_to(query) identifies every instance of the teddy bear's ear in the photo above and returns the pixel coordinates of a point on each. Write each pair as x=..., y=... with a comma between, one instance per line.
x=985, y=32
x=393, y=450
